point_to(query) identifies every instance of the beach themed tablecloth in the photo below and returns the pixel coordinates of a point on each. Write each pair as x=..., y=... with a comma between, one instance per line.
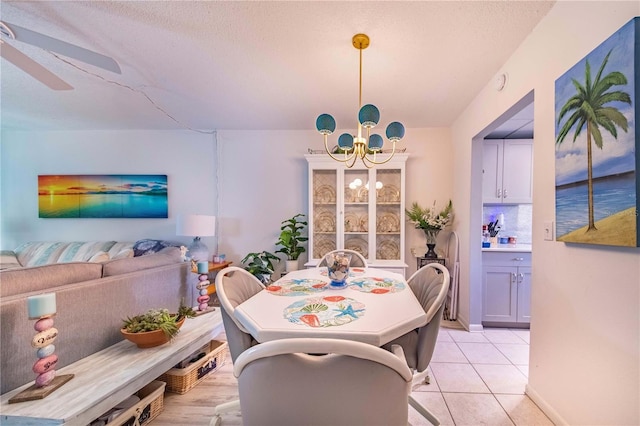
x=298, y=287
x=324, y=311
x=376, y=285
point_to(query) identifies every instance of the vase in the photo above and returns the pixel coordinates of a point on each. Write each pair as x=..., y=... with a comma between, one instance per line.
x=338, y=269
x=431, y=254
x=431, y=235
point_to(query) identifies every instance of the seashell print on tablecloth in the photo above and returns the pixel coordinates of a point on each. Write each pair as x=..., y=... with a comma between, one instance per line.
x=326, y=311
x=376, y=285
x=297, y=287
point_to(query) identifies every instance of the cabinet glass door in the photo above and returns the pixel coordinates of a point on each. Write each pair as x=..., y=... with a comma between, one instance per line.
x=389, y=214
x=325, y=229
x=356, y=211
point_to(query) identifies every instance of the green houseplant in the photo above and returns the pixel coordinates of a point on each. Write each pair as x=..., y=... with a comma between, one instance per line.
x=290, y=239
x=260, y=265
x=155, y=327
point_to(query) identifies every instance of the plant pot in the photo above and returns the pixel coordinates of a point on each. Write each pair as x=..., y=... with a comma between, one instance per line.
x=291, y=265
x=149, y=339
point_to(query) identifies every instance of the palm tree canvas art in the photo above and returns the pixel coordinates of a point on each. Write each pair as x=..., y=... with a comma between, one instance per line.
x=597, y=146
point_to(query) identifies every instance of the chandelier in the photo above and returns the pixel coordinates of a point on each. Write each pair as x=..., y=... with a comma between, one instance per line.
x=364, y=147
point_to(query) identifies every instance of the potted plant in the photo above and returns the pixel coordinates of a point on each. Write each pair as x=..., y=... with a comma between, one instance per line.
x=260, y=265
x=290, y=239
x=430, y=221
x=155, y=327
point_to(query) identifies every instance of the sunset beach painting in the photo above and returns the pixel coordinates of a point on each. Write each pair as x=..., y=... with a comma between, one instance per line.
x=597, y=144
x=102, y=196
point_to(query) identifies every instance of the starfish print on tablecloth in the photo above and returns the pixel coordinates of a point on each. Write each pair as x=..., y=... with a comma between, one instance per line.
x=348, y=311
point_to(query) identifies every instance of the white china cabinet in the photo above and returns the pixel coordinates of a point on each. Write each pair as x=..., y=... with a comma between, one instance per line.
x=358, y=209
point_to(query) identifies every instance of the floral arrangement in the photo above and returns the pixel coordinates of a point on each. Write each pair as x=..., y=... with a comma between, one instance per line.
x=429, y=219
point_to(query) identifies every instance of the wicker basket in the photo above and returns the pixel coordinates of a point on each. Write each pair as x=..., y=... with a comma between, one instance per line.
x=181, y=380
x=148, y=408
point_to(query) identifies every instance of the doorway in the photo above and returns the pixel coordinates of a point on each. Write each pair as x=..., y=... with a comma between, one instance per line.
x=516, y=121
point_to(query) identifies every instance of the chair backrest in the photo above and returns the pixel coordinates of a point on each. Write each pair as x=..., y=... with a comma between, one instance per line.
x=235, y=285
x=285, y=382
x=357, y=260
x=430, y=285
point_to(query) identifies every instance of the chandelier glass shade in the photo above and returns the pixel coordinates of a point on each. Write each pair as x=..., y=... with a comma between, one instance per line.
x=364, y=145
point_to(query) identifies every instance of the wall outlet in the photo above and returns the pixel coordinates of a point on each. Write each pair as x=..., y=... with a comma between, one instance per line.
x=548, y=230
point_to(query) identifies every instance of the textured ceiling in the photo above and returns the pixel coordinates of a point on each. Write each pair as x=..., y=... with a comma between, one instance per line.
x=211, y=65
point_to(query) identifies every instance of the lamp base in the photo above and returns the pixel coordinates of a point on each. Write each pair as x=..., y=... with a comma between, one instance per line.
x=198, y=250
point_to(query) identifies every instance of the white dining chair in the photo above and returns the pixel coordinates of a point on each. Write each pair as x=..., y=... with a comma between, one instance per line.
x=233, y=286
x=430, y=285
x=322, y=381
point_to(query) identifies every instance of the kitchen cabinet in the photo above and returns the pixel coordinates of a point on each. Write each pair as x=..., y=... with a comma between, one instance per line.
x=506, y=288
x=358, y=209
x=507, y=171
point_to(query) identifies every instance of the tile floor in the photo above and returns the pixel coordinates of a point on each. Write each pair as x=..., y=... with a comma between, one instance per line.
x=476, y=379
x=479, y=379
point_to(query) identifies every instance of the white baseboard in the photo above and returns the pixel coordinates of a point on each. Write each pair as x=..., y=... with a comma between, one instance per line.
x=544, y=406
x=476, y=328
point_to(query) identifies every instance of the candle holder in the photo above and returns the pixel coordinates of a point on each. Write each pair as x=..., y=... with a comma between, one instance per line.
x=43, y=308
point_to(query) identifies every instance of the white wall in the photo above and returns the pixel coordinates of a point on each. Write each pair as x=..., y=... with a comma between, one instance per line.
x=187, y=158
x=585, y=330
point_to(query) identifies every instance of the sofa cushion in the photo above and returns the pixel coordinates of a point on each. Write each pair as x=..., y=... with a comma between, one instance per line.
x=8, y=260
x=120, y=247
x=101, y=256
x=44, y=253
x=123, y=254
x=39, y=253
x=142, y=247
x=166, y=256
x=83, y=251
x=23, y=280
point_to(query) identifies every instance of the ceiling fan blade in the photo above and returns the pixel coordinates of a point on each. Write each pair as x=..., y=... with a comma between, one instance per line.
x=67, y=49
x=32, y=68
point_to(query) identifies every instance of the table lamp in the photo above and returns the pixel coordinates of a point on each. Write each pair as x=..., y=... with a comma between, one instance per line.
x=197, y=225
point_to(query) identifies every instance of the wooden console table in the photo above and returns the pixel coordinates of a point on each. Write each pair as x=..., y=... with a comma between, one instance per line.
x=214, y=266
x=104, y=379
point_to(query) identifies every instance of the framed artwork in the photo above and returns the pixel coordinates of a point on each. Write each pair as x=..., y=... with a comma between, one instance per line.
x=102, y=196
x=598, y=145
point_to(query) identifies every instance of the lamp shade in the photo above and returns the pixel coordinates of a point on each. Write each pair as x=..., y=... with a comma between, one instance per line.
x=369, y=116
x=345, y=141
x=196, y=225
x=395, y=131
x=325, y=124
x=375, y=142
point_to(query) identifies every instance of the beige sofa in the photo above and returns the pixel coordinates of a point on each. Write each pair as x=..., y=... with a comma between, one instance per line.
x=92, y=297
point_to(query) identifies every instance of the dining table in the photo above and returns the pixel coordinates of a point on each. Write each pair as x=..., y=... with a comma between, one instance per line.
x=375, y=307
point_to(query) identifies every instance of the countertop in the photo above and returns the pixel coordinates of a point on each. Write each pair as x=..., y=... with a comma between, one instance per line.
x=522, y=248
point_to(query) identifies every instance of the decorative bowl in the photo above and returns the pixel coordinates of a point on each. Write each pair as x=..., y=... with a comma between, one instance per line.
x=149, y=339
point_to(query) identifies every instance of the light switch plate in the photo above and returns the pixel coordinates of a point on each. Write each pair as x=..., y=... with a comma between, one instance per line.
x=548, y=230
